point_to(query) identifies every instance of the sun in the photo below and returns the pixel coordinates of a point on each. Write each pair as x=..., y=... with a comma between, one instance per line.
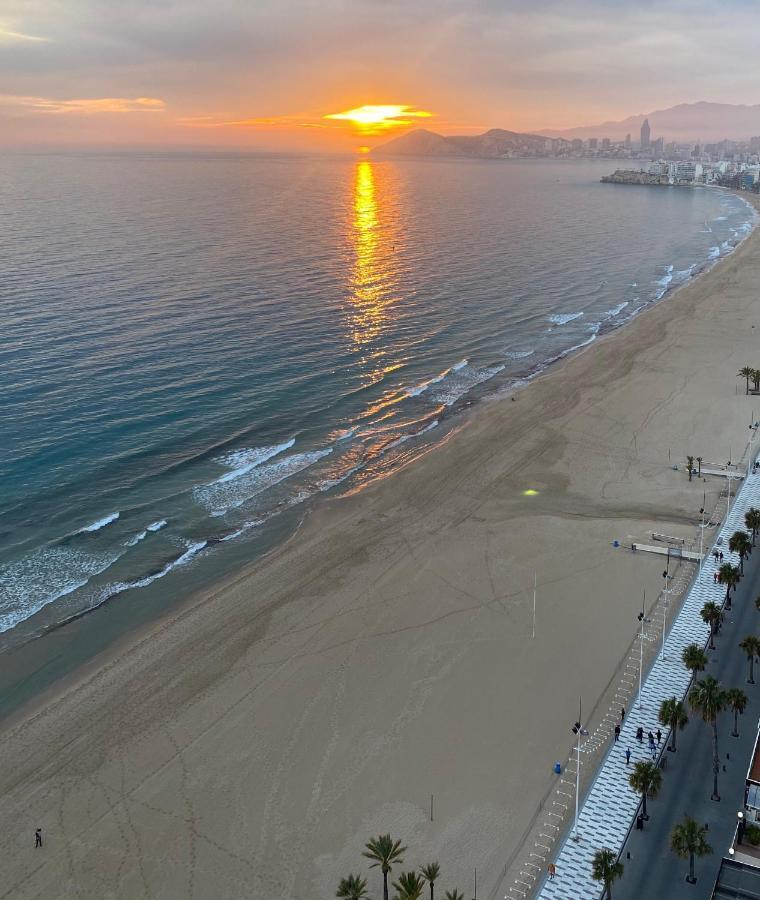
x=376, y=118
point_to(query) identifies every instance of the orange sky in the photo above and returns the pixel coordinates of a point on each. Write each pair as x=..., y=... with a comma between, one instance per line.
x=269, y=74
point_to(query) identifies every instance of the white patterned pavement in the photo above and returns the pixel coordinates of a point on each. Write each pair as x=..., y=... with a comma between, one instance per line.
x=610, y=807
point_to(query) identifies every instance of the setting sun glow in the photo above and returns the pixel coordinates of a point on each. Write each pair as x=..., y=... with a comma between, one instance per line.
x=371, y=119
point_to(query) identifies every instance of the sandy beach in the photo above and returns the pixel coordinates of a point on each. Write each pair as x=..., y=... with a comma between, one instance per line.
x=249, y=744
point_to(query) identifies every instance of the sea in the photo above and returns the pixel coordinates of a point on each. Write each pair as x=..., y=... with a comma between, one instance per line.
x=196, y=348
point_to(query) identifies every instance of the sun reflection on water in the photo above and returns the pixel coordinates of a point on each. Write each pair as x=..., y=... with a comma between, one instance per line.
x=373, y=279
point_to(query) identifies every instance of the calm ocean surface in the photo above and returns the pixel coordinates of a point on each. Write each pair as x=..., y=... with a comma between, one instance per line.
x=194, y=348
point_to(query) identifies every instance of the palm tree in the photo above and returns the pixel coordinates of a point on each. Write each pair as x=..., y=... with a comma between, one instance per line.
x=747, y=373
x=606, y=867
x=454, y=895
x=695, y=658
x=711, y=614
x=736, y=700
x=699, y=466
x=708, y=698
x=751, y=646
x=352, y=888
x=740, y=543
x=690, y=466
x=688, y=840
x=430, y=873
x=673, y=716
x=728, y=575
x=410, y=886
x=385, y=852
x=646, y=779
x=757, y=603
x=752, y=521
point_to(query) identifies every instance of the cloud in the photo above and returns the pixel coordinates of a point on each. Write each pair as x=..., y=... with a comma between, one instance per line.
x=87, y=106
x=7, y=37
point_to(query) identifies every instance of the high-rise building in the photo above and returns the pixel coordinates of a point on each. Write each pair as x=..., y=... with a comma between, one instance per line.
x=628, y=141
x=593, y=143
x=645, y=135
x=605, y=143
x=657, y=146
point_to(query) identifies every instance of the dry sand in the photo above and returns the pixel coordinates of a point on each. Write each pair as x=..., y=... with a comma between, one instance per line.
x=250, y=744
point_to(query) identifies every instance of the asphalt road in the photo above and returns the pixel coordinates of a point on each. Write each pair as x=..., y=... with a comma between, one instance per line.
x=653, y=870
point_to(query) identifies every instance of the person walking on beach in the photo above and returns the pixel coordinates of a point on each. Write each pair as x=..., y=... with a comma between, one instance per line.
x=617, y=733
x=552, y=871
x=627, y=756
x=38, y=838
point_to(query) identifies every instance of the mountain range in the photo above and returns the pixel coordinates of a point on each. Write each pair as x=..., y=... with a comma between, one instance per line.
x=491, y=145
x=687, y=122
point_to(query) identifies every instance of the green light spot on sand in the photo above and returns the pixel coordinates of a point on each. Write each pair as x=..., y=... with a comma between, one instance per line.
x=530, y=492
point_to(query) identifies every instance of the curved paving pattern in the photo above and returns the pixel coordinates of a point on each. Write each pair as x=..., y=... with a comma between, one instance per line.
x=610, y=808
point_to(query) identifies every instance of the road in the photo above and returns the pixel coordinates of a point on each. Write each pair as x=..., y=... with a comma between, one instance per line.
x=653, y=870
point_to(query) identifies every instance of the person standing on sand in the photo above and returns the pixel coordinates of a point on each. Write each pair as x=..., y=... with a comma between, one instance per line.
x=627, y=756
x=38, y=838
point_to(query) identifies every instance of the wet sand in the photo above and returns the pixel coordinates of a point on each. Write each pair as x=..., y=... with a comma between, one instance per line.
x=249, y=744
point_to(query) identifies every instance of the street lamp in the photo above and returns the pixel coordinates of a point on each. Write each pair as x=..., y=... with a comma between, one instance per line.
x=740, y=827
x=642, y=618
x=665, y=604
x=579, y=731
x=701, y=532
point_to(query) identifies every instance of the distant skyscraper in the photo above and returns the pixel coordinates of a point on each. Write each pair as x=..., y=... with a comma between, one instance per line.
x=645, y=133
x=628, y=141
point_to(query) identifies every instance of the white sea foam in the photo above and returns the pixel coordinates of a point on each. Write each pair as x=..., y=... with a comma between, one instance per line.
x=665, y=280
x=563, y=318
x=100, y=523
x=518, y=354
x=154, y=526
x=616, y=310
x=407, y=437
x=220, y=496
x=436, y=379
x=347, y=433
x=465, y=381
x=713, y=253
x=721, y=218
x=30, y=584
x=242, y=461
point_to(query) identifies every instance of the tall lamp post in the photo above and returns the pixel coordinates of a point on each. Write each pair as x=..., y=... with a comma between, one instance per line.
x=643, y=620
x=665, y=605
x=579, y=731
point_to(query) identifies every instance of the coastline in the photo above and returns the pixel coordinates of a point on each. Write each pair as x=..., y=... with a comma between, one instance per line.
x=418, y=585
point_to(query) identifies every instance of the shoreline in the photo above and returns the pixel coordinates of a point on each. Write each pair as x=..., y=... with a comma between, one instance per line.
x=420, y=584
x=452, y=420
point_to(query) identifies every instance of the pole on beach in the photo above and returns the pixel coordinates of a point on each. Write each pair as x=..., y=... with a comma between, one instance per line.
x=579, y=730
x=665, y=605
x=643, y=620
x=535, y=581
x=431, y=807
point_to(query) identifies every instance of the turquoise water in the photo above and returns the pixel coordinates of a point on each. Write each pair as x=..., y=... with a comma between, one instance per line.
x=195, y=348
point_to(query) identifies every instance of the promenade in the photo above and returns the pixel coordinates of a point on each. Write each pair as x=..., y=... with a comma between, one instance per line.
x=610, y=807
